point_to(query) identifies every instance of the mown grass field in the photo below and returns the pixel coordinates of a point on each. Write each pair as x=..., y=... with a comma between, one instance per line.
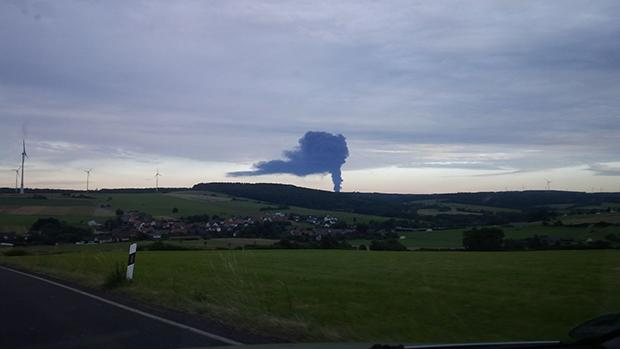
x=316, y=295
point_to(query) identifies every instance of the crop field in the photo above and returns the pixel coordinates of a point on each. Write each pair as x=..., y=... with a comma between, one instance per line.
x=591, y=219
x=455, y=206
x=314, y=295
x=435, y=212
x=21, y=223
x=480, y=208
x=18, y=212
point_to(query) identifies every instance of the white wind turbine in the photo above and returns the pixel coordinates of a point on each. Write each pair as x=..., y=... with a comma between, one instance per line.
x=87, y=178
x=548, y=184
x=24, y=156
x=157, y=175
x=16, y=177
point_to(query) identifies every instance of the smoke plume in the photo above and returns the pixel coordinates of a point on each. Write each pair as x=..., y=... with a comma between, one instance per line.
x=317, y=153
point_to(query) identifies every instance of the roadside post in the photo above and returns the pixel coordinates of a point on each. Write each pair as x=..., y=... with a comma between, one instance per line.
x=132, y=260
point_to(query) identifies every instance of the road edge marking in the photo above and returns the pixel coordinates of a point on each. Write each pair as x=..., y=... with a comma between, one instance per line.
x=136, y=311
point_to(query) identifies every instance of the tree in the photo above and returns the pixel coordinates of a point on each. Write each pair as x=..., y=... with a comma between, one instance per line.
x=175, y=210
x=119, y=212
x=390, y=235
x=514, y=245
x=113, y=223
x=484, y=239
x=339, y=225
x=535, y=243
x=362, y=228
x=611, y=238
x=387, y=245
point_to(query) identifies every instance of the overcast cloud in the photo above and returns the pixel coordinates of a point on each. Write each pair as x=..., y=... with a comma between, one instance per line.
x=471, y=88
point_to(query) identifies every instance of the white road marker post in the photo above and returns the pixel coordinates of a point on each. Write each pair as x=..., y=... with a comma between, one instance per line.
x=132, y=260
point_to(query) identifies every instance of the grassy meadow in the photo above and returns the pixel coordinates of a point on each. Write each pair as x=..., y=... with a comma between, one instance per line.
x=228, y=243
x=313, y=295
x=453, y=238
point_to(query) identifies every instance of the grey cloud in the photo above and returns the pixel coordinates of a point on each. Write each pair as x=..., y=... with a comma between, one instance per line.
x=198, y=81
x=604, y=170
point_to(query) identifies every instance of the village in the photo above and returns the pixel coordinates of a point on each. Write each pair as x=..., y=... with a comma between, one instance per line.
x=135, y=225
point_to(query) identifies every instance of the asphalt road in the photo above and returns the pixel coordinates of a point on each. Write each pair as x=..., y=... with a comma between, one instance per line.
x=37, y=314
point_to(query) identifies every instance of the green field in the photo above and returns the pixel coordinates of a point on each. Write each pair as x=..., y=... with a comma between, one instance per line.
x=455, y=206
x=453, y=238
x=18, y=213
x=316, y=295
x=211, y=244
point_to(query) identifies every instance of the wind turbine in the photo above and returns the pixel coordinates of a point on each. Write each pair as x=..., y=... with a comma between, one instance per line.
x=548, y=184
x=157, y=175
x=24, y=156
x=87, y=177
x=16, y=177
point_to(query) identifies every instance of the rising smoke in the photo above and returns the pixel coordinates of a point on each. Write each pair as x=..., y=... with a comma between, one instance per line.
x=317, y=153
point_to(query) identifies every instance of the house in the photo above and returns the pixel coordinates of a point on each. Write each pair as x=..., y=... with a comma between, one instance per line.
x=178, y=231
x=298, y=232
x=9, y=236
x=321, y=231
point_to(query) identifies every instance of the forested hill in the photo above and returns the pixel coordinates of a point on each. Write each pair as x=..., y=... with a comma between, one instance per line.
x=290, y=195
x=399, y=205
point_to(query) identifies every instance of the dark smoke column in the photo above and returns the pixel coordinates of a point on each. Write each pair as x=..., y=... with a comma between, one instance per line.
x=317, y=153
x=337, y=179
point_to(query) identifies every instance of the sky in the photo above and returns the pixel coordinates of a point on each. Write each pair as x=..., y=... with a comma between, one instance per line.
x=431, y=96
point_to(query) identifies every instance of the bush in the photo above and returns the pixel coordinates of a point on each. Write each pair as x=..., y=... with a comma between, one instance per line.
x=162, y=246
x=14, y=253
x=362, y=247
x=484, y=239
x=514, y=245
x=387, y=245
x=114, y=279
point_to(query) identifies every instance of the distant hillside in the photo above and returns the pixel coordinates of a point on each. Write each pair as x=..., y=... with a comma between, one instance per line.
x=400, y=205
x=281, y=194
